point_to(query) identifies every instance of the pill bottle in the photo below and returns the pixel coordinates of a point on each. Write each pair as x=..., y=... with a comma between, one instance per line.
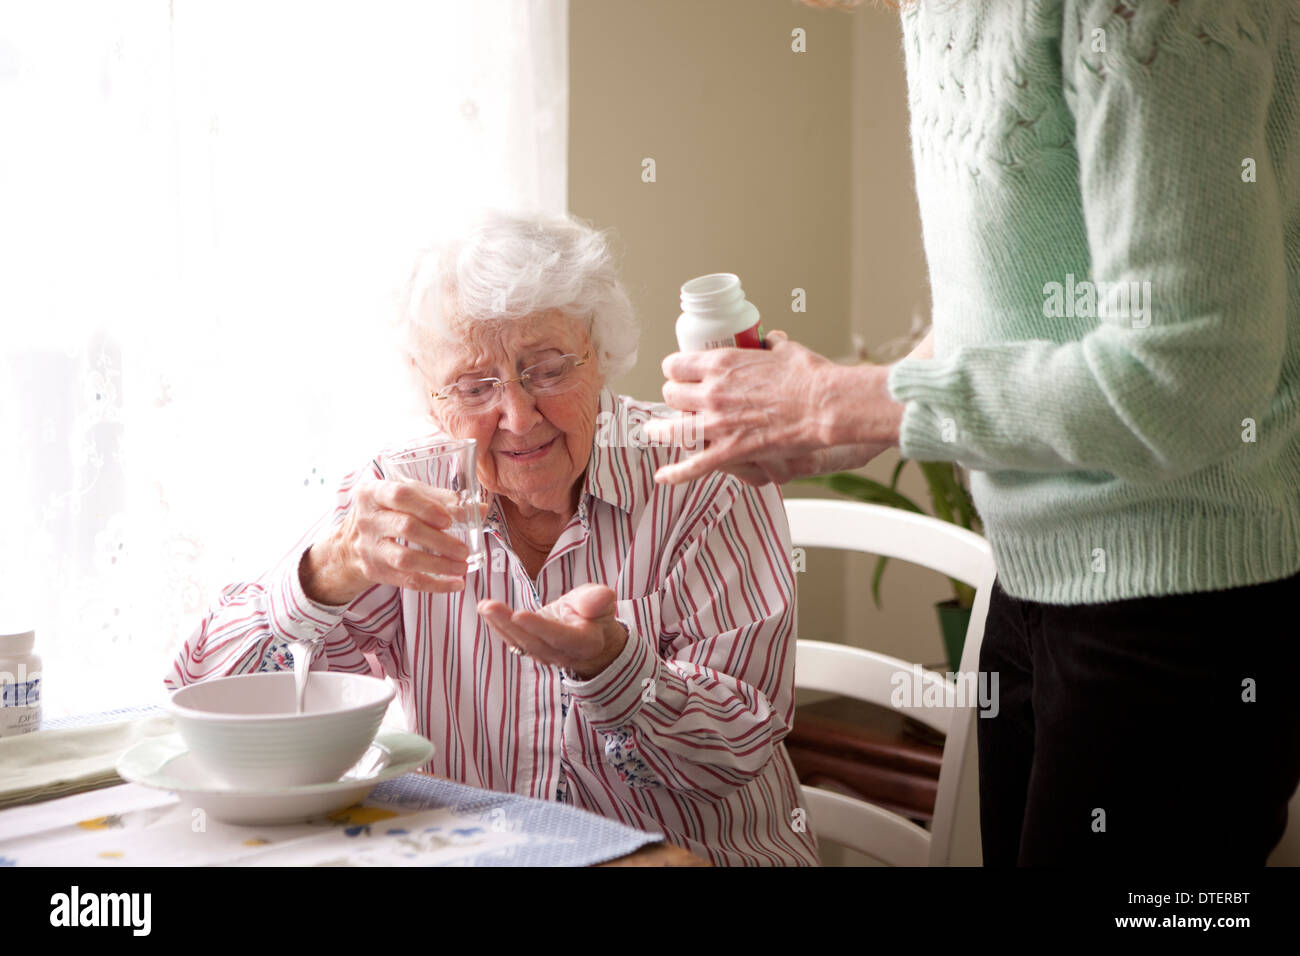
x=715, y=315
x=20, y=684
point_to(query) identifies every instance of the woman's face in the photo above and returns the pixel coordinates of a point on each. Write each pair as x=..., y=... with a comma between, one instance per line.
x=532, y=450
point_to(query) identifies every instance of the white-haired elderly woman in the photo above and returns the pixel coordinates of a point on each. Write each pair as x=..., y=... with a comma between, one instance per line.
x=628, y=647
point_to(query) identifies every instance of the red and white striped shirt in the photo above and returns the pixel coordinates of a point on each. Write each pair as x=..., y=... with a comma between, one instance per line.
x=681, y=734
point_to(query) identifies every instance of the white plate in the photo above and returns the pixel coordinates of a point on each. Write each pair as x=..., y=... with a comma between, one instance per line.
x=166, y=763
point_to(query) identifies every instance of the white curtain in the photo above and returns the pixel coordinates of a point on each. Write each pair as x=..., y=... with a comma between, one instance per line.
x=205, y=211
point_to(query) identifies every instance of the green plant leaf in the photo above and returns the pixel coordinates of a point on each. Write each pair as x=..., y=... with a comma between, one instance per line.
x=863, y=489
x=948, y=494
x=965, y=506
x=950, y=499
x=875, y=579
x=898, y=470
x=938, y=477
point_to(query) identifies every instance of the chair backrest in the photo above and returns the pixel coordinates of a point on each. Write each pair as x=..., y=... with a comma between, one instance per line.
x=935, y=700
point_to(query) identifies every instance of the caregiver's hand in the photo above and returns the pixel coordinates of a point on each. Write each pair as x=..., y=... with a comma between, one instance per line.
x=783, y=403
x=363, y=549
x=577, y=631
x=820, y=462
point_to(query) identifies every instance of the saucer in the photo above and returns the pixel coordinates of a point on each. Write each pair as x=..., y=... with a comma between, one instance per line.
x=167, y=764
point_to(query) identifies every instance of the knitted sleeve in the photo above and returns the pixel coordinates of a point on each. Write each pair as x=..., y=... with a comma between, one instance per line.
x=1171, y=103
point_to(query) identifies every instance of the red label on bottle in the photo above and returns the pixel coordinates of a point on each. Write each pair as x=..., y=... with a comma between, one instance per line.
x=751, y=338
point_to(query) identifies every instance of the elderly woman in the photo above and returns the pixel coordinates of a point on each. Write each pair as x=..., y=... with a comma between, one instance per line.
x=626, y=648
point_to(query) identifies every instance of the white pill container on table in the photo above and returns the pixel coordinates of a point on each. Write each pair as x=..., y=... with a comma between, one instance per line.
x=20, y=684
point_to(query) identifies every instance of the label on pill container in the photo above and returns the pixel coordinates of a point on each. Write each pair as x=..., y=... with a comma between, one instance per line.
x=20, y=707
x=750, y=338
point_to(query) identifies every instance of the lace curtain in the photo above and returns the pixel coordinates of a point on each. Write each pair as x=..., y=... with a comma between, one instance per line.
x=207, y=209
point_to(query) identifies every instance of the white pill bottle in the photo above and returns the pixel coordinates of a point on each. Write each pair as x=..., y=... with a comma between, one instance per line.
x=715, y=315
x=20, y=684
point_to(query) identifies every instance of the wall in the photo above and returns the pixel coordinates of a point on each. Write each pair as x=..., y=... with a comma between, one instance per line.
x=752, y=146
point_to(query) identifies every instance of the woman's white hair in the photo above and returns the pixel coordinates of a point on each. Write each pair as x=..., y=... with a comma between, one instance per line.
x=507, y=265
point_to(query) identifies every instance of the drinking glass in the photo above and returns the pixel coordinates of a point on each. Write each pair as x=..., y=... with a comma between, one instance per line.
x=449, y=464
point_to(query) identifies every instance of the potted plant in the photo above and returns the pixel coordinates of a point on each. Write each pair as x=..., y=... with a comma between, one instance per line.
x=950, y=500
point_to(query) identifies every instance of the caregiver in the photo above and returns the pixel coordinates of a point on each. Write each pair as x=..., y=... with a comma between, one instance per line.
x=1110, y=201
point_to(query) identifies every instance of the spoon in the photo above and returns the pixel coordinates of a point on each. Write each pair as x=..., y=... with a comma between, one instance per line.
x=303, y=652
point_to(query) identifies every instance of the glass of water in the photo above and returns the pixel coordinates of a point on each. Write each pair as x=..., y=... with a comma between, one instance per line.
x=449, y=464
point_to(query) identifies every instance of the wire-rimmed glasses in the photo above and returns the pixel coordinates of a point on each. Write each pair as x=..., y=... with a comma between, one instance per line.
x=545, y=378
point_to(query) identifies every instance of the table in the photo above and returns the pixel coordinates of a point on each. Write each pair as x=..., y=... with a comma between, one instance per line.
x=659, y=854
x=413, y=820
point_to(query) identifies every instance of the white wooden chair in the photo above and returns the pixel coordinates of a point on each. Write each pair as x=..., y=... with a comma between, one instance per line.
x=953, y=838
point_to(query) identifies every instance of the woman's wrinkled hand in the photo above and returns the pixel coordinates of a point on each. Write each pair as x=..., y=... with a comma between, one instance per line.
x=741, y=405
x=773, y=413
x=393, y=533
x=820, y=462
x=577, y=631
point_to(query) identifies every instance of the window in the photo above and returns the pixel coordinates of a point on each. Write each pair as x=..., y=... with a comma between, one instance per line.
x=207, y=210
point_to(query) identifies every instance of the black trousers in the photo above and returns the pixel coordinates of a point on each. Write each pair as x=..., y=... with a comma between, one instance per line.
x=1159, y=731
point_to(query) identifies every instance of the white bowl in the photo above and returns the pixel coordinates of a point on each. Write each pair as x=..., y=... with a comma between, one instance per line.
x=244, y=731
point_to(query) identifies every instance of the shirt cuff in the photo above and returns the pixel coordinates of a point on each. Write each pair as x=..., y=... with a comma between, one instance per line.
x=611, y=698
x=297, y=616
x=926, y=433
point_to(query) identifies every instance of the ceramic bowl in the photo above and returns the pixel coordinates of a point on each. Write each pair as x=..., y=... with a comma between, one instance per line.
x=244, y=731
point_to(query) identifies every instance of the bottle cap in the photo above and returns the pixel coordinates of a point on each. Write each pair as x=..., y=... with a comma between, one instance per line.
x=17, y=642
x=718, y=294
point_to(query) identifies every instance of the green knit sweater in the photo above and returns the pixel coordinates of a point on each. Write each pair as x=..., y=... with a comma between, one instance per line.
x=1068, y=151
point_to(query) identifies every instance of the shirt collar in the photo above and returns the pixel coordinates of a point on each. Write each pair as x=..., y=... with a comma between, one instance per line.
x=614, y=455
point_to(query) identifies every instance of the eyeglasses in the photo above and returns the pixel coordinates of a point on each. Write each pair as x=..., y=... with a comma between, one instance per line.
x=545, y=378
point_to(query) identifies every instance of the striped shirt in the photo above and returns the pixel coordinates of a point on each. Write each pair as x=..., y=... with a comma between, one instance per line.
x=682, y=734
